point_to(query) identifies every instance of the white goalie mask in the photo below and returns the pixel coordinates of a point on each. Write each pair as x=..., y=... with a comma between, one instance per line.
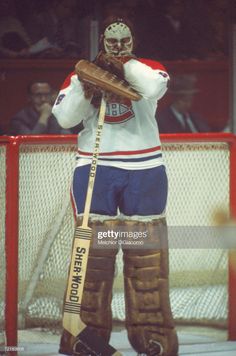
x=118, y=39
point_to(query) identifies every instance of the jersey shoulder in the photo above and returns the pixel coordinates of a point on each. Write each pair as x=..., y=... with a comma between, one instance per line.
x=152, y=63
x=67, y=81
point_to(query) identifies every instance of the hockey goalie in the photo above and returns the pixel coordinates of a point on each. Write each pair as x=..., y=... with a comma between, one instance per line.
x=130, y=191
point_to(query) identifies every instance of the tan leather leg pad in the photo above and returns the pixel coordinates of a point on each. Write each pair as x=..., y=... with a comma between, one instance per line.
x=148, y=311
x=96, y=303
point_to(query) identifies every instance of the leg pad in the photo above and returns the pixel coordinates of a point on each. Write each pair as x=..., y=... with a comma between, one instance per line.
x=149, y=318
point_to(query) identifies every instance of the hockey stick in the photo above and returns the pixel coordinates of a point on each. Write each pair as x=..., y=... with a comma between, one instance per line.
x=93, y=343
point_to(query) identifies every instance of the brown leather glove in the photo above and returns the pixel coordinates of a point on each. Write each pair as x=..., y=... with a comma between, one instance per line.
x=91, y=90
x=110, y=63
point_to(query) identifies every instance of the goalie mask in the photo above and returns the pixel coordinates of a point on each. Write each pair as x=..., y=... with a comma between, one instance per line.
x=118, y=39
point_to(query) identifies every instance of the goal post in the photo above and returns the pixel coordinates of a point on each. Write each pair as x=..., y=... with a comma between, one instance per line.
x=232, y=254
x=38, y=224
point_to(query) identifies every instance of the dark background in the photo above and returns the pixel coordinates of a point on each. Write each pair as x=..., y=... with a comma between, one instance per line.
x=203, y=48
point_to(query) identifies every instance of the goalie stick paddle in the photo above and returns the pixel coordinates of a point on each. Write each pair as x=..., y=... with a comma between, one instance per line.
x=85, y=337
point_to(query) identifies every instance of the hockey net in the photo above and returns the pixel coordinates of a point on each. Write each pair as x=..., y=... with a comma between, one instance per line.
x=40, y=220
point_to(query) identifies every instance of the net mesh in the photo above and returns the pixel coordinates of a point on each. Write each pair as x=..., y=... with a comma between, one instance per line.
x=198, y=184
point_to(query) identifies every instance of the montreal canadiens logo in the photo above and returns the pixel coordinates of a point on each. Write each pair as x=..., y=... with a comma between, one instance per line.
x=117, y=113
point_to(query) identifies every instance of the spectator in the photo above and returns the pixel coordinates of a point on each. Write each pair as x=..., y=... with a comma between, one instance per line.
x=14, y=41
x=219, y=14
x=37, y=117
x=57, y=29
x=176, y=29
x=178, y=116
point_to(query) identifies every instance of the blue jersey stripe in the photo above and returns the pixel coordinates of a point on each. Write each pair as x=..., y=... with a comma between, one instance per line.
x=141, y=159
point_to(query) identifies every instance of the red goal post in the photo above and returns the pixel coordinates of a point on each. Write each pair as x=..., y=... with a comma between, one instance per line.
x=10, y=160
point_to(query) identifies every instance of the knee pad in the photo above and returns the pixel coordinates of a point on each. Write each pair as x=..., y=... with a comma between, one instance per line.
x=149, y=318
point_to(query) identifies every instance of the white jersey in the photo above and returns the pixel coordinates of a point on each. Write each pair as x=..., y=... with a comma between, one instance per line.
x=130, y=137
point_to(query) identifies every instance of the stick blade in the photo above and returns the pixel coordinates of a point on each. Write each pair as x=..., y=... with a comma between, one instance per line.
x=72, y=306
x=93, y=344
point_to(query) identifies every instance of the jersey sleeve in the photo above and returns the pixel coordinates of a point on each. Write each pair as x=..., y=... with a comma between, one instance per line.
x=71, y=107
x=149, y=78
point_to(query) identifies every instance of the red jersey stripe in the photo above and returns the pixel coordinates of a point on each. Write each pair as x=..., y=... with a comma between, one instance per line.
x=123, y=153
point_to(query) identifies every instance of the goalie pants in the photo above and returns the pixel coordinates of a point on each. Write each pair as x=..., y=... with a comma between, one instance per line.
x=133, y=192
